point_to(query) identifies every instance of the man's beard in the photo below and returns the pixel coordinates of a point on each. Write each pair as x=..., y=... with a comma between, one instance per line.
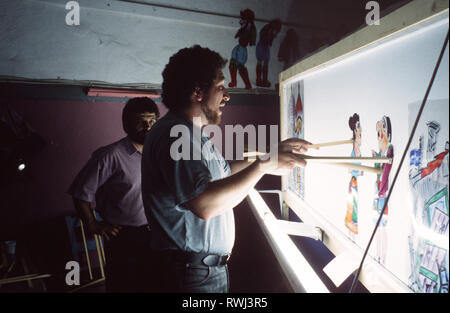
x=139, y=137
x=213, y=117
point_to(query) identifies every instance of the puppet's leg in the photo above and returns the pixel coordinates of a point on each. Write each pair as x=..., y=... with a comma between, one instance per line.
x=259, y=64
x=233, y=66
x=258, y=74
x=244, y=74
x=265, y=70
x=233, y=72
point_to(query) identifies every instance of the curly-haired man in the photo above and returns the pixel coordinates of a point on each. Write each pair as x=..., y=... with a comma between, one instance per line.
x=189, y=200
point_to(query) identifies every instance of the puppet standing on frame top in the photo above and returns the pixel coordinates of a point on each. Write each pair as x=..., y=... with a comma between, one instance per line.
x=247, y=36
x=266, y=37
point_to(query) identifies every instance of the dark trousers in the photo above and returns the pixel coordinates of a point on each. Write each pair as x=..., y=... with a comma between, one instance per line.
x=170, y=276
x=127, y=260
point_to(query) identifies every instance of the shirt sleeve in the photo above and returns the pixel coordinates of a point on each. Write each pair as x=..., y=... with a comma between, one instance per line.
x=92, y=176
x=186, y=179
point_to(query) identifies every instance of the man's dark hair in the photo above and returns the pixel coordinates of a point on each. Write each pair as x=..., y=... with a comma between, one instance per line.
x=189, y=68
x=138, y=106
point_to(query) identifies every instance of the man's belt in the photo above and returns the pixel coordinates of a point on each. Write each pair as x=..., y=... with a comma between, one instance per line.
x=199, y=258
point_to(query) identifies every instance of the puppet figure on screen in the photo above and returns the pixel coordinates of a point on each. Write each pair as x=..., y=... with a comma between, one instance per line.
x=296, y=179
x=247, y=36
x=298, y=127
x=299, y=173
x=351, y=216
x=386, y=149
x=428, y=176
x=266, y=37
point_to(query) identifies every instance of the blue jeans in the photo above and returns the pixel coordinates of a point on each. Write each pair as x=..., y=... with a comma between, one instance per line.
x=173, y=276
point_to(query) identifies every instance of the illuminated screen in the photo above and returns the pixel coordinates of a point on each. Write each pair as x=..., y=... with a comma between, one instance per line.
x=371, y=97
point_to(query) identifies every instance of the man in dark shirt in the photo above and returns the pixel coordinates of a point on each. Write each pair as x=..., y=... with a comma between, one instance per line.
x=112, y=178
x=189, y=197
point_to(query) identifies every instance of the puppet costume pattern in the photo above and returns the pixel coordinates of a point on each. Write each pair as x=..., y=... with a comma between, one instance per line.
x=351, y=217
x=382, y=185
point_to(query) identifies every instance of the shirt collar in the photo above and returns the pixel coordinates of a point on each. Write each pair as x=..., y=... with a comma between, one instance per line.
x=129, y=146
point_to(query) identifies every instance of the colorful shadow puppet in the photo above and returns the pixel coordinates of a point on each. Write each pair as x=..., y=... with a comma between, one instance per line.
x=247, y=36
x=351, y=216
x=299, y=173
x=386, y=149
x=266, y=37
x=429, y=181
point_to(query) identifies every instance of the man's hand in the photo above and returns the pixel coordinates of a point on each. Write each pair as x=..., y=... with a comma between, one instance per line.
x=86, y=214
x=104, y=229
x=226, y=193
x=294, y=145
x=288, y=155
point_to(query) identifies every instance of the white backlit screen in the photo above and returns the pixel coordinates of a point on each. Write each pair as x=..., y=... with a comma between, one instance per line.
x=372, y=97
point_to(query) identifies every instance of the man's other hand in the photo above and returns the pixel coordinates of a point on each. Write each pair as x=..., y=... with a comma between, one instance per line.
x=104, y=229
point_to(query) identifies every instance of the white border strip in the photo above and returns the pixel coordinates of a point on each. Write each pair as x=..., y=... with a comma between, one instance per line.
x=300, y=274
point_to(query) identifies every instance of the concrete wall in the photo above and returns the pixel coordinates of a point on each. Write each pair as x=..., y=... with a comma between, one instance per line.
x=121, y=42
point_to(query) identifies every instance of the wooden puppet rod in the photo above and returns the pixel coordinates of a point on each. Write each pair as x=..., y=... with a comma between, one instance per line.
x=252, y=154
x=311, y=146
x=338, y=159
x=329, y=159
x=331, y=143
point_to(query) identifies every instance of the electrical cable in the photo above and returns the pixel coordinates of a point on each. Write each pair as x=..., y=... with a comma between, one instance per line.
x=401, y=162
